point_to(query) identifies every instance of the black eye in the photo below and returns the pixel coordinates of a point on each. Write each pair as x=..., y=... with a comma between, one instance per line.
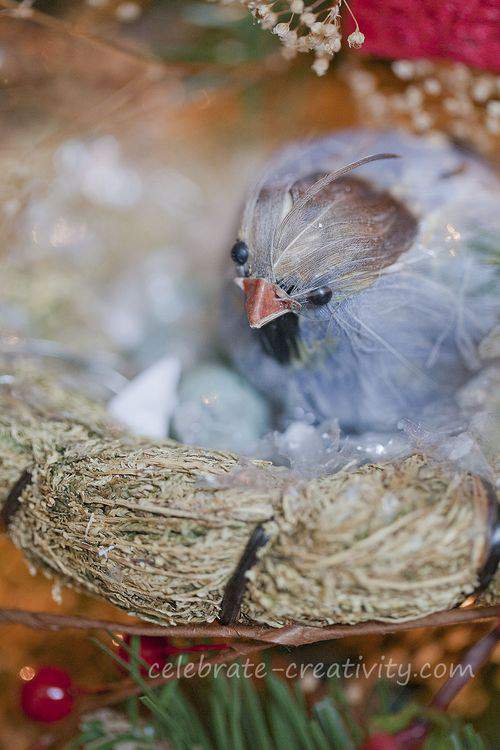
x=239, y=252
x=321, y=296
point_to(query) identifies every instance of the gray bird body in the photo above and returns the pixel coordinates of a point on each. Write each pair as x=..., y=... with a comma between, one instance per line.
x=406, y=247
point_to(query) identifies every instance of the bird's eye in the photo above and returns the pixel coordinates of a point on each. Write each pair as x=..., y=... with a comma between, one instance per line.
x=240, y=253
x=320, y=296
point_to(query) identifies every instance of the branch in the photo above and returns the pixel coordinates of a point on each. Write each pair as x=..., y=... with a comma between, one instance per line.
x=14, y=9
x=290, y=635
x=475, y=658
x=470, y=665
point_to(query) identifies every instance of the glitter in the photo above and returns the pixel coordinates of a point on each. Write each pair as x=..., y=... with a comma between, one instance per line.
x=104, y=551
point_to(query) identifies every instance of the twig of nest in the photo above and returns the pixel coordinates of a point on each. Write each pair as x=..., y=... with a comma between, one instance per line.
x=181, y=535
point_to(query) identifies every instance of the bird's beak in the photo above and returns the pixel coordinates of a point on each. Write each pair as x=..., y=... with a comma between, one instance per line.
x=265, y=301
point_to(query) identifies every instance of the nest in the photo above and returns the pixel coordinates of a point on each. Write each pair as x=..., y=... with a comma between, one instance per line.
x=176, y=534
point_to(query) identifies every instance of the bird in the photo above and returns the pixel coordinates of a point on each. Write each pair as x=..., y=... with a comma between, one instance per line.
x=353, y=289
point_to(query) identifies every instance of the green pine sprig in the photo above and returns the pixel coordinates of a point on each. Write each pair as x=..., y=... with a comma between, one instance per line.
x=234, y=713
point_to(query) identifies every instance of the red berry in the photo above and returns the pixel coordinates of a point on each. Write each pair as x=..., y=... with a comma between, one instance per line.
x=48, y=696
x=158, y=650
x=152, y=650
x=381, y=741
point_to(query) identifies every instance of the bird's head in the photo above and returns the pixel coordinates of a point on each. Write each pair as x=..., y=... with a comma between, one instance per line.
x=309, y=241
x=271, y=310
x=266, y=300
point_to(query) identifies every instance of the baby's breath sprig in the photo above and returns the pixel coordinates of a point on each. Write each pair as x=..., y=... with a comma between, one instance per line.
x=306, y=26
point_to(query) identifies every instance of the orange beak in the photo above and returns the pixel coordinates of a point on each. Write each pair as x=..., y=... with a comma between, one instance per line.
x=265, y=301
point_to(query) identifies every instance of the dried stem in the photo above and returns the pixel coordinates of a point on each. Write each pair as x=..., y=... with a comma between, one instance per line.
x=414, y=735
x=71, y=29
x=472, y=662
x=290, y=635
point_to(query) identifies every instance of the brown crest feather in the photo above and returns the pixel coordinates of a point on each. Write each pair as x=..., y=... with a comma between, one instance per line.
x=344, y=236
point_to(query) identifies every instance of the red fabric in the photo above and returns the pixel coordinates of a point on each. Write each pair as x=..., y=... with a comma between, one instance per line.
x=463, y=30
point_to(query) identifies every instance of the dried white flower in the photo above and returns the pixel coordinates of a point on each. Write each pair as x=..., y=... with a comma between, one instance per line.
x=422, y=120
x=281, y=29
x=290, y=38
x=317, y=27
x=356, y=39
x=432, y=86
x=333, y=45
x=483, y=88
x=321, y=65
x=308, y=18
x=269, y=21
x=414, y=96
x=404, y=69
x=436, y=97
x=330, y=29
x=303, y=44
x=305, y=25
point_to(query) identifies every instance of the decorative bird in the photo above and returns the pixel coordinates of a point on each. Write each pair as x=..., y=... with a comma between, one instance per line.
x=359, y=295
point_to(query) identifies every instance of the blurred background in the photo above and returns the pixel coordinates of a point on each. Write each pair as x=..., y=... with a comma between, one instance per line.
x=129, y=134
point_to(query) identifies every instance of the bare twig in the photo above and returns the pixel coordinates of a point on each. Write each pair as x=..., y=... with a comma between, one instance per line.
x=74, y=30
x=475, y=658
x=290, y=635
x=470, y=665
